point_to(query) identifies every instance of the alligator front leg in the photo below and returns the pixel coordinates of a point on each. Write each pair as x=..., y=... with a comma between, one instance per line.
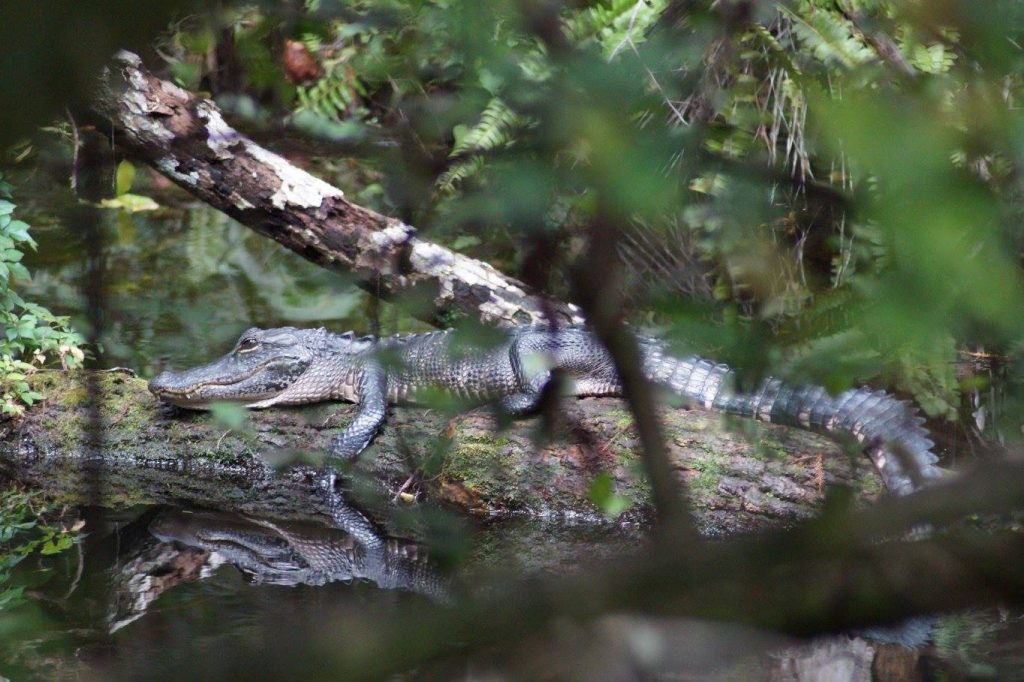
x=520, y=404
x=373, y=396
x=532, y=375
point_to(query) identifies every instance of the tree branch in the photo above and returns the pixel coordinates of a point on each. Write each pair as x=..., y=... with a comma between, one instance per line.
x=186, y=139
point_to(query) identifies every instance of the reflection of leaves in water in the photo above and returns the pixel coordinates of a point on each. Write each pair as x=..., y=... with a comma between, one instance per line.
x=28, y=526
x=131, y=203
x=189, y=273
x=969, y=639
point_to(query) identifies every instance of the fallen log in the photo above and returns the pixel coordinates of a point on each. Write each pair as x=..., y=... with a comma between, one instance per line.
x=150, y=453
x=187, y=139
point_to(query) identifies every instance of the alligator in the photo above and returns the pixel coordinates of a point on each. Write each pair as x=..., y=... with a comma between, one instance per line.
x=289, y=366
x=292, y=553
x=169, y=546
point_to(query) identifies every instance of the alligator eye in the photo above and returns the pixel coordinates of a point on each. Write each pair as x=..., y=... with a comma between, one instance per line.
x=246, y=345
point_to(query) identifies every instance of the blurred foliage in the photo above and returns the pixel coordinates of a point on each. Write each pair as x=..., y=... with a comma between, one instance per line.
x=55, y=49
x=823, y=190
x=831, y=185
x=30, y=335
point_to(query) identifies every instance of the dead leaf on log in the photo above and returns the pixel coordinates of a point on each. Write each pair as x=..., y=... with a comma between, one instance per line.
x=299, y=64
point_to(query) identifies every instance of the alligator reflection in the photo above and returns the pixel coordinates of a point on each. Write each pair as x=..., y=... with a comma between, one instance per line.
x=191, y=544
x=285, y=553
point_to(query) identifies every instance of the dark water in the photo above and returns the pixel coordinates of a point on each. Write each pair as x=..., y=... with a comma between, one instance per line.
x=155, y=590
x=182, y=283
x=161, y=589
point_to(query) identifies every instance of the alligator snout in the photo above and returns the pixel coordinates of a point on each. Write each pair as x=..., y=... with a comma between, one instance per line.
x=167, y=386
x=160, y=384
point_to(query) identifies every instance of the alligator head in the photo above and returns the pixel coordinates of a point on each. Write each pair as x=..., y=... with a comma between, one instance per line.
x=266, y=367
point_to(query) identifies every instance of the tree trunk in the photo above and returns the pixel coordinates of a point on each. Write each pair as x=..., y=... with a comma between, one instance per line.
x=186, y=138
x=153, y=453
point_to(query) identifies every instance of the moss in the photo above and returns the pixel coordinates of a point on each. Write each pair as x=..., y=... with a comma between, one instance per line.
x=473, y=459
x=625, y=456
x=622, y=419
x=710, y=470
x=769, y=451
x=871, y=485
x=135, y=418
x=705, y=480
x=68, y=430
x=496, y=470
x=55, y=387
x=484, y=439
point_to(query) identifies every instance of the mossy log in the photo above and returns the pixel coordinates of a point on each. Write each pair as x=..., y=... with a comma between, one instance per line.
x=744, y=477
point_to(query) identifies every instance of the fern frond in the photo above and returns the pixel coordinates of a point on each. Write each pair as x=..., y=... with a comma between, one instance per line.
x=448, y=181
x=934, y=58
x=335, y=96
x=614, y=23
x=495, y=129
x=831, y=37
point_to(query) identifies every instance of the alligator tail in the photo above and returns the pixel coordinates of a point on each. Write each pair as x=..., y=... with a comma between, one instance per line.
x=889, y=430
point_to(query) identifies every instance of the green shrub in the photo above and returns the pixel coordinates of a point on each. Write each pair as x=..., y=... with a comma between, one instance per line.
x=30, y=335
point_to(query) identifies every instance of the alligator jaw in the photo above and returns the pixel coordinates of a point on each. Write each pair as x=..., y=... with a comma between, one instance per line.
x=194, y=396
x=185, y=400
x=191, y=399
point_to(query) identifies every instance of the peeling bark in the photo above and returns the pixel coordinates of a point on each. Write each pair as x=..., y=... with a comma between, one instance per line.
x=153, y=453
x=186, y=138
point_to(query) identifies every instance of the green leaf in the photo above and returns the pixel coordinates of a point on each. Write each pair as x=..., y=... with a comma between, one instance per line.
x=230, y=415
x=56, y=544
x=18, y=231
x=602, y=494
x=465, y=241
x=124, y=178
x=19, y=271
x=11, y=596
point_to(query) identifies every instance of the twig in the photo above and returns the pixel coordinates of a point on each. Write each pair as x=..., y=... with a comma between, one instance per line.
x=78, y=573
x=598, y=294
x=75, y=145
